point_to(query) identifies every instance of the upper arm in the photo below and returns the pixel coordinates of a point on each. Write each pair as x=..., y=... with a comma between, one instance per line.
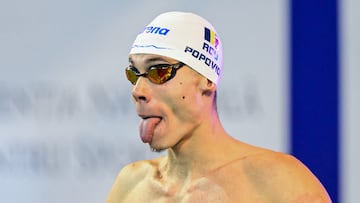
x=283, y=178
x=303, y=184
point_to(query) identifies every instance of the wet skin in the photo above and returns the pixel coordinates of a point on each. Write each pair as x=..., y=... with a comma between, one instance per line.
x=203, y=162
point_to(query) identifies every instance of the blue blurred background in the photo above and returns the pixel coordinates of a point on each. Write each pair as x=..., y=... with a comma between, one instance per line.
x=67, y=123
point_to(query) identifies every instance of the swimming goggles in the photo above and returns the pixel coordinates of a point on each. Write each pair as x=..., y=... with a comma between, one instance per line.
x=157, y=74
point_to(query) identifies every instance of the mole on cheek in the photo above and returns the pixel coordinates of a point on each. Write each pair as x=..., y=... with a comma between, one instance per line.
x=183, y=97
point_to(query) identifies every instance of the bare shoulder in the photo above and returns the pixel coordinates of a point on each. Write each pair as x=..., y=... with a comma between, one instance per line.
x=283, y=177
x=128, y=177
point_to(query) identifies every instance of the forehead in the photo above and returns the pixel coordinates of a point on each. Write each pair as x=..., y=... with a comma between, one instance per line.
x=149, y=59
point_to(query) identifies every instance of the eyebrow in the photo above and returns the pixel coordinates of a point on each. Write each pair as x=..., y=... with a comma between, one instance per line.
x=150, y=60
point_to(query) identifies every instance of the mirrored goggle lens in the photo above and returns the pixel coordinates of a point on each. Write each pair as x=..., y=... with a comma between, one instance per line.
x=159, y=75
x=156, y=75
x=131, y=76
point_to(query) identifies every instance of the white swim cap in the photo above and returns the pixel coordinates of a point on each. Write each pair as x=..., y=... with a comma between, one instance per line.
x=185, y=37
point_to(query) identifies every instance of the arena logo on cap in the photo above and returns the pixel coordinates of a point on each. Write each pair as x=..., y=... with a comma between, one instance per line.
x=211, y=37
x=156, y=30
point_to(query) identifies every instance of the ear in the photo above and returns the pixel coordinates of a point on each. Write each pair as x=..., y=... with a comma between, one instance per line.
x=207, y=87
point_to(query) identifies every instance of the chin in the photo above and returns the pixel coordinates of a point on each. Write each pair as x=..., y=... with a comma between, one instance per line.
x=155, y=149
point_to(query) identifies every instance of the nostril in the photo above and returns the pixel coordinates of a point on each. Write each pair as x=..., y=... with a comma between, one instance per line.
x=139, y=97
x=142, y=98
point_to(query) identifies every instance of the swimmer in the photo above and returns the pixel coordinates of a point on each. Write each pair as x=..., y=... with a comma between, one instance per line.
x=174, y=91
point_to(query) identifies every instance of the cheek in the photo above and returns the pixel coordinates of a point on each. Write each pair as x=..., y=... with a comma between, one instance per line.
x=183, y=97
x=189, y=105
x=184, y=100
x=187, y=92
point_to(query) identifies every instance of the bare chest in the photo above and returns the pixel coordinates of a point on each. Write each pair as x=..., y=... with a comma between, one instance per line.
x=201, y=190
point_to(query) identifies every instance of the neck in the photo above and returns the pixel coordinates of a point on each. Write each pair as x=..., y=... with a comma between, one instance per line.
x=200, y=152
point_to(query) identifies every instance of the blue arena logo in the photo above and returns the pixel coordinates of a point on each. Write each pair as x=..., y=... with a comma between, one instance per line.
x=156, y=30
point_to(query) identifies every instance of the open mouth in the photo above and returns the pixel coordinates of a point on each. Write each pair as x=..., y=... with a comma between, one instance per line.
x=149, y=116
x=147, y=127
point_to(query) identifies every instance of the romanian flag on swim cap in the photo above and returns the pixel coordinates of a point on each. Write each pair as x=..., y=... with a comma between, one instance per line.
x=210, y=36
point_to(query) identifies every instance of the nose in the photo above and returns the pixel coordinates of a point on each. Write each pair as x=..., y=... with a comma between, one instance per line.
x=141, y=91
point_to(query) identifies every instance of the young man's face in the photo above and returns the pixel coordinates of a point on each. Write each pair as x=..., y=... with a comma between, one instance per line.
x=172, y=111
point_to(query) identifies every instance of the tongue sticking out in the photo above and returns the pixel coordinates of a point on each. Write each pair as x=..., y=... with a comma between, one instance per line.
x=147, y=127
